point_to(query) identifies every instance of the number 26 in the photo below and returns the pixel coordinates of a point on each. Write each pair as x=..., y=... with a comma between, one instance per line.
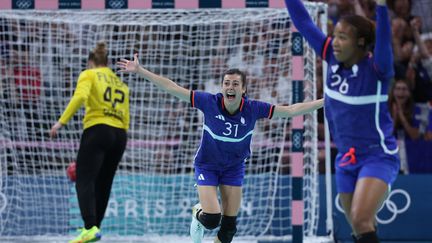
x=343, y=88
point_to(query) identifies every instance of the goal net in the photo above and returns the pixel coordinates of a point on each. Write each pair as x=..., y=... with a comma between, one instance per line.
x=42, y=54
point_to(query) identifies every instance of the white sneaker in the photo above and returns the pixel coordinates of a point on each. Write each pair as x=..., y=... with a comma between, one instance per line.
x=196, y=228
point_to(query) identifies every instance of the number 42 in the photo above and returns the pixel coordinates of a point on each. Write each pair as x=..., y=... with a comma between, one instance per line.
x=108, y=96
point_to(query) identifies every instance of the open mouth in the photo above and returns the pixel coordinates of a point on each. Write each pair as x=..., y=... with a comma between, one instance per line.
x=230, y=96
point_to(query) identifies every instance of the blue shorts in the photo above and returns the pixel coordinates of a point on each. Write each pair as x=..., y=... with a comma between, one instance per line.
x=381, y=166
x=229, y=176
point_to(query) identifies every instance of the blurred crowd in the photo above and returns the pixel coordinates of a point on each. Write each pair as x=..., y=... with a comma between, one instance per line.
x=41, y=61
x=38, y=70
x=410, y=95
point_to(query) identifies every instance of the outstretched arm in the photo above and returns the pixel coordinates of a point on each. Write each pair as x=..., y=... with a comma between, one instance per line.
x=162, y=82
x=286, y=111
x=303, y=22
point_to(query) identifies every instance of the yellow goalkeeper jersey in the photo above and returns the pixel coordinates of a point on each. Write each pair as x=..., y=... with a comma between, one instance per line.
x=105, y=96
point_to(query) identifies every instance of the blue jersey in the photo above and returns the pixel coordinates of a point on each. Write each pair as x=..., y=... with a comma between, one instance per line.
x=355, y=98
x=226, y=138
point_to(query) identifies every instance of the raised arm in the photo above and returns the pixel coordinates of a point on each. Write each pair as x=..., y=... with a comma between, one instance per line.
x=285, y=111
x=303, y=22
x=162, y=82
x=422, y=49
x=383, y=54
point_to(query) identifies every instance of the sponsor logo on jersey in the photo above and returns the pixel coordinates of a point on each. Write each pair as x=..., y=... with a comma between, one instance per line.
x=220, y=117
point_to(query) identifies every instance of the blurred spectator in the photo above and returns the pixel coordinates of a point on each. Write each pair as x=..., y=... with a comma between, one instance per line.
x=420, y=66
x=428, y=133
x=28, y=89
x=401, y=106
x=248, y=59
x=403, y=40
x=339, y=8
x=27, y=77
x=6, y=85
x=400, y=9
x=402, y=34
x=419, y=152
x=336, y=10
x=426, y=59
x=423, y=9
x=365, y=8
x=284, y=86
x=410, y=125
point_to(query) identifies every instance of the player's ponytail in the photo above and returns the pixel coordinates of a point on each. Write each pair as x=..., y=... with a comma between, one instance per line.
x=99, y=54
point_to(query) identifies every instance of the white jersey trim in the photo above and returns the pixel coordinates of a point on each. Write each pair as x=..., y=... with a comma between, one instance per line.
x=202, y=137
x=356, y=100
x=226, y=139
x=377, y=111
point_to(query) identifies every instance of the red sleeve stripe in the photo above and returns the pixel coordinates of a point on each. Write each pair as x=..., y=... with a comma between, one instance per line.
x=271, y=112
x=192, y=98
x=241, y=104
x=325, y=47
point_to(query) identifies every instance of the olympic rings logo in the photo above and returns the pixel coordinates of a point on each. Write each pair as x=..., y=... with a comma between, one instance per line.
x=116, y=3
x=297, y=44
x=297, y=139
x=388, y=205
x=23, y=4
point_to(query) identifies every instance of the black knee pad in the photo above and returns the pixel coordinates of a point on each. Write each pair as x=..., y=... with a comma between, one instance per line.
x=228, y=229
x=209, y=220
x=354, y=237
x=369, y=237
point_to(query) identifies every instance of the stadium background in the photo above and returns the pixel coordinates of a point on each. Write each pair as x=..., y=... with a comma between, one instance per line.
x=136, y=4
x=410, y=225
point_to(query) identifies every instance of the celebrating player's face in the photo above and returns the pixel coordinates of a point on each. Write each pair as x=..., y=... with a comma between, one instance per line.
x=344, y=42
x=232, y=88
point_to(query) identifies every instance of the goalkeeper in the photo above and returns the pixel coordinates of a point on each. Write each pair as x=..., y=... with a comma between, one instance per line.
x=229, y=120
x=106, y=120
x=356, y=109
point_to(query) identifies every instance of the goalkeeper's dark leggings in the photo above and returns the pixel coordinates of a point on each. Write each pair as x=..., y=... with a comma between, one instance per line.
x=101, y=149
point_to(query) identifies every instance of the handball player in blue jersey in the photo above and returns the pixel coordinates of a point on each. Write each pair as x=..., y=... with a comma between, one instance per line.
x=229, y=120
x=356, y=109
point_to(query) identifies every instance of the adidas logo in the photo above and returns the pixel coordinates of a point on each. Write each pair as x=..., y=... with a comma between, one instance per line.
x=220, y=117
x=201, y=177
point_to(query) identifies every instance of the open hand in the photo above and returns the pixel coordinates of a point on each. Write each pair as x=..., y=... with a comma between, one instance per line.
x=127, y=65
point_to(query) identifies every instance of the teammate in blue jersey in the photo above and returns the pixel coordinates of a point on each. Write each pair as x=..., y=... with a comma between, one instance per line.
x=356, y=109
x=229, y=120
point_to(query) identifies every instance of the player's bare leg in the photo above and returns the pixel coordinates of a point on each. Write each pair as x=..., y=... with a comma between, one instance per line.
x=368, y=197
x=206, y=214
x=231, y=200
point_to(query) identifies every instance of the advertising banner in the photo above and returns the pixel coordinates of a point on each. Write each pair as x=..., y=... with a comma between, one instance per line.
x=405, y=215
